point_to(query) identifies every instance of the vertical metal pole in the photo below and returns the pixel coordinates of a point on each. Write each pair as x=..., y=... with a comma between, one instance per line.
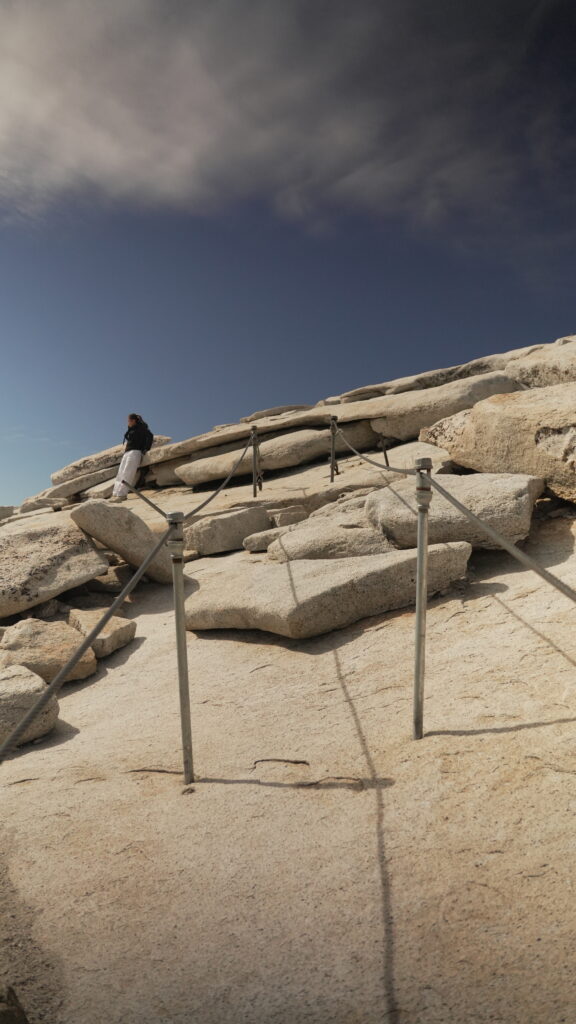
x=176, y=547
x=423, y=499
x=256, y=474
x=333, y=462
x=384, y=452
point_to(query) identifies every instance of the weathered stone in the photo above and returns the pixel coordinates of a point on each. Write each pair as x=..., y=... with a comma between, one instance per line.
x=308, y=597
x=288, y=516
x=163, y=474
x=106, y=459
x=116, y=633
x=317, y=417
x=277, y=410
x=44, y=648
x=292, y=449
x=405, y=415
x=19, y=690
x=503, y=501
x=93, y=602
x=122, y=531
x=551, y=364
x=113, y=581
x=262, y=540
x=403, y=456
x=225, y=532
x=6, y=511
x=40, y=558
x=531, y=432
x=47, y=610
x=11, y=1012
x=104, y=490
x=435, y=378
x=54, y=495
x=346, y=535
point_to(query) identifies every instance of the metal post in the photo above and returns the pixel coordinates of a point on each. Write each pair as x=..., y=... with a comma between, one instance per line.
x=256, y=472
x=334, y=471
x=384, y=451
x=175, y=544
x=423, y=499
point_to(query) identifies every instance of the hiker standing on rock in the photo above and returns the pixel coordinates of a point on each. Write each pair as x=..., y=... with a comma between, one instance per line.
x=139, y=439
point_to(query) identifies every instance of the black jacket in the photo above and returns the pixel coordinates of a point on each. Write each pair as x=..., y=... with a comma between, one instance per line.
x=136, y=438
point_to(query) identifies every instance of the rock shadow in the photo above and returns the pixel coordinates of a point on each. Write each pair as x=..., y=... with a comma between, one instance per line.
x=61, y=733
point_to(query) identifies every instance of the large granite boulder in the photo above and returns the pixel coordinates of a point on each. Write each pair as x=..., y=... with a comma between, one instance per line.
x=106, y=459
x=6, y=511
x=531, y=432
x=44, y=648
x=115, y=634
x=125, y=533
x=226, y=531
x=503, y=501
x=404, y=416
x=40, y=558
x=307, y=597
x=291, y=449
x=19, y=690
x=551, y=364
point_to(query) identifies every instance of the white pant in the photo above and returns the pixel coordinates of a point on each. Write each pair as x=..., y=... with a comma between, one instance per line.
x=128, y=470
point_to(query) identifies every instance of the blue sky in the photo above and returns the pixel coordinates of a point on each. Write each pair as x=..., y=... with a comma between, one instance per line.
x=310, y=221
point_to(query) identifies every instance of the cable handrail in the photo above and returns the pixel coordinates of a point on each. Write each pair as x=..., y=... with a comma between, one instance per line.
x=386, y=468
x=53, y=688
x=173, y=537
x=503, y=542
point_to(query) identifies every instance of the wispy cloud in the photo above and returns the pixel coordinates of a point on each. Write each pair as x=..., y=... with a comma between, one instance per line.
x=396, y=106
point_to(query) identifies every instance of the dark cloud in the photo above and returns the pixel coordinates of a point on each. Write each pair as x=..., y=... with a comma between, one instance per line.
x=397, y=106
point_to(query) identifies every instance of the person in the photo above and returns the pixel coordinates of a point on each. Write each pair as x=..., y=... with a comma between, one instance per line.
x=138, y=439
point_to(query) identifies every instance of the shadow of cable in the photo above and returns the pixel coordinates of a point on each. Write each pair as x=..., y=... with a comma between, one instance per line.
x=541, y=636
x=314, y=785
x=391, y=1009
x=499, y=728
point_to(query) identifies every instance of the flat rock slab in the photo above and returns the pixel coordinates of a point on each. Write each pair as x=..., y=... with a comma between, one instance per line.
x=106, y=459
x=292, y=449
x=343, y=535
x=435, y=378
x=530, y=432
x=307, y=597
x=277, y=410
x=405, y=415
x=503, y=500
x=40, y=558
x=44, y=648
x=225, y=532
x=53, y=495
x=125, y=533
x=116, y=633
x=19, y=690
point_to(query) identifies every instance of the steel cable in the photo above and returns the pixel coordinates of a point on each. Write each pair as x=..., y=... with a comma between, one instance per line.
x=385, y=469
